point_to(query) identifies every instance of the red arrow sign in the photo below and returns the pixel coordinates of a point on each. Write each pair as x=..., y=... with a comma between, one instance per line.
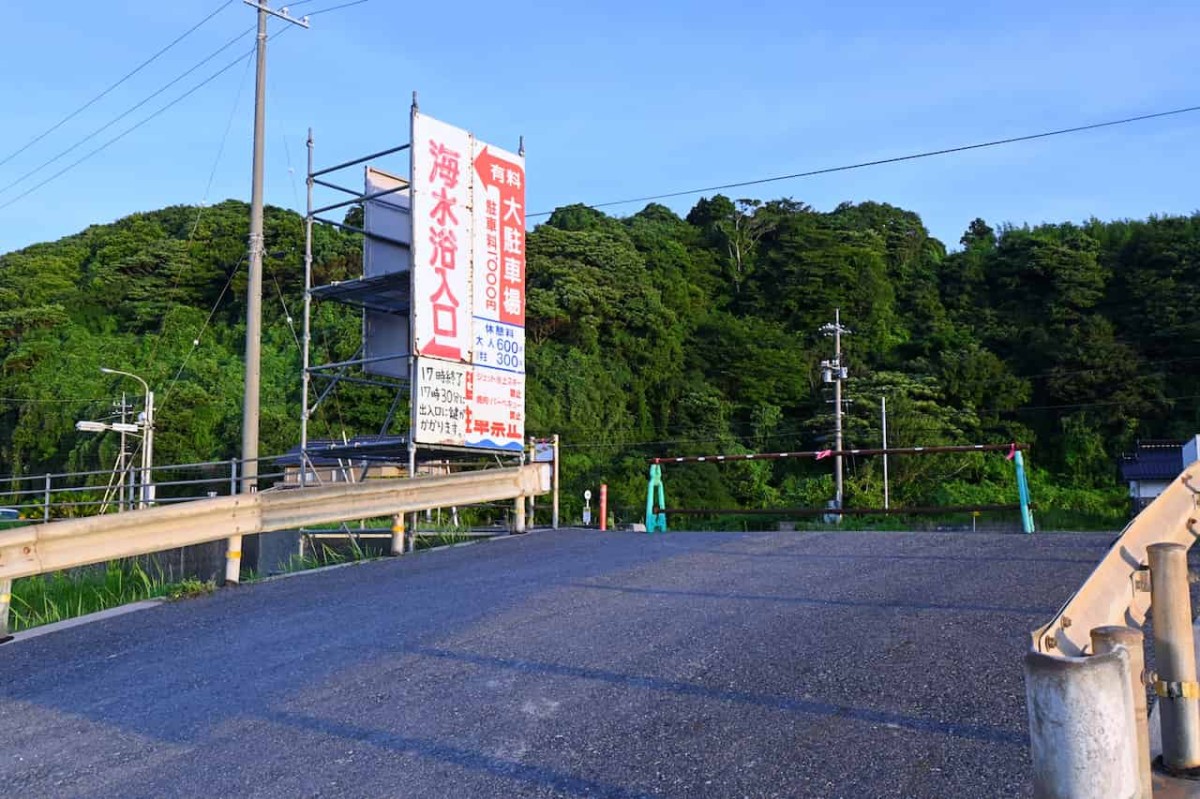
x=493, y=171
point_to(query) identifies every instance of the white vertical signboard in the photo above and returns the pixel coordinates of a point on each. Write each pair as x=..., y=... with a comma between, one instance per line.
x=496, y=409
x=441, y=210
x=468, y=304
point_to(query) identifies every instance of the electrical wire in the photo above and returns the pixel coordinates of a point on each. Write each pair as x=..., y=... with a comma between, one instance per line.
x=128, y=130
x=126, y=77
x=333, y=8
x=72, y=401
x=125, y=113
x=196, y=341
x=203, y=206
x=894, y=160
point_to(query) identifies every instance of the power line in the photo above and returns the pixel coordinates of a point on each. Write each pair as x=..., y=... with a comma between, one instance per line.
x=895, y=160
x=203, y=205
x=333, y=8
x=130, y=130
x=31, y=401
x=127, y=111
x=126, y=77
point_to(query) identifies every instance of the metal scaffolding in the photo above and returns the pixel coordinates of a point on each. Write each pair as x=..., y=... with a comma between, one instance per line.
x=383, y=293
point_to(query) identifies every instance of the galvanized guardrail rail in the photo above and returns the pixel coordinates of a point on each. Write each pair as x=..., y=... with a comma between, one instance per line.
x=40, y=548
x=1085, y=678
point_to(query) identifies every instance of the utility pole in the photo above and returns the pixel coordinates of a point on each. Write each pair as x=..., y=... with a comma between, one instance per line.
x=126, y=474
x=834, y=372
x=254, y=257
x=883, y=411
x=250, y=402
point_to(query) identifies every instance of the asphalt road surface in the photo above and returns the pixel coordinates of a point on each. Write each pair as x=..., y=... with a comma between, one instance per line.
x=562, y=664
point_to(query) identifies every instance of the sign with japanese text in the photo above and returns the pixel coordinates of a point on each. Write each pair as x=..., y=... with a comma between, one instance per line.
x=499, y=192
x=468, y=304
x=440, y=398
x=469, y=405
x=442, y=221
x=496, y=410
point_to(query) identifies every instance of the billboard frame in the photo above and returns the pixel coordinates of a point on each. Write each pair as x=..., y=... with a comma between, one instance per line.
x=320, y=381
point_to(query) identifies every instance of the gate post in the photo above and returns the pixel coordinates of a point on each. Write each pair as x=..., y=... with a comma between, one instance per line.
x=1023, y=492
x=1174, y=655
x=655, y=522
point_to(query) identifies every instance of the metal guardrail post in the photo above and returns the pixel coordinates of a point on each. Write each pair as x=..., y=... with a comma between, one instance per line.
x=1081, y=732
x=1174, y=655
x=1109, y=639
x=46, y=504
x=5, y=604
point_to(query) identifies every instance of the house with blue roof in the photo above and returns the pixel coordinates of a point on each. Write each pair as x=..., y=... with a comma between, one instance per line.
x=1151, y=467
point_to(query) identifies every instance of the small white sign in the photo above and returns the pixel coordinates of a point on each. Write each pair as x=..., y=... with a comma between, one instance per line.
x=441, y=400
x=587, y=495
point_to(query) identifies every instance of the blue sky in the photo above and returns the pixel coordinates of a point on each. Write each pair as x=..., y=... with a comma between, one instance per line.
x=623, y=99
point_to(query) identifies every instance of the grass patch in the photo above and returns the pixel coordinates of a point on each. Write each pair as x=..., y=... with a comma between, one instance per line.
x=334, y=552
x=66, y=595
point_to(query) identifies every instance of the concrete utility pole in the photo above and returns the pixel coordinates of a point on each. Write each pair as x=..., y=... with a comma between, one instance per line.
x=834, y=372
x=233, y=552
x=883, y=411
x=254, y=256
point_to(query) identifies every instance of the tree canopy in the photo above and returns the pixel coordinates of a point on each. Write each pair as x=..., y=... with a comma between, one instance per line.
x=655, y=334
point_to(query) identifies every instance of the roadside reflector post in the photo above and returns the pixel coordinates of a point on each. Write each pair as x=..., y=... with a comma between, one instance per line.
x=519, y=515
x=1109, y=639
x=5, y=604
x=603, y=507
x=398, y=534
x=1082, y=740
x=233, y=560
x=1174, y=656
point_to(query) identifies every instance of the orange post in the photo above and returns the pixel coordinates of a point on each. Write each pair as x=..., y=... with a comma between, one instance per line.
x=603, y=507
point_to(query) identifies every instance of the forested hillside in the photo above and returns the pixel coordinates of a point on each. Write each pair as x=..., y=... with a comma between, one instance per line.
x=656, y=334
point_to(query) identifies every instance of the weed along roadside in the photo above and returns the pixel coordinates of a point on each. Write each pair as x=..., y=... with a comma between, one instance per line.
x=49, y=598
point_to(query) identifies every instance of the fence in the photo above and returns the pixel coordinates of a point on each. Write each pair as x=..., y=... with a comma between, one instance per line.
x=657, y=511
x=43, y=497
x=1084, y=675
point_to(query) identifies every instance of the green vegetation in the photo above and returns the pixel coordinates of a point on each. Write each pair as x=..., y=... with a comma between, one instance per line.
x=656, y=334
x=64, y=595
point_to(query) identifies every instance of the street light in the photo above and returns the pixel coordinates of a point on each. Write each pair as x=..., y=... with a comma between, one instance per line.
x=148, y=436
x=89, y=426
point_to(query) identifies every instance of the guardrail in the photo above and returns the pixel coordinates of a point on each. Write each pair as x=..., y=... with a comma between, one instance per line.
x=1085, y=679
x=36, y=549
